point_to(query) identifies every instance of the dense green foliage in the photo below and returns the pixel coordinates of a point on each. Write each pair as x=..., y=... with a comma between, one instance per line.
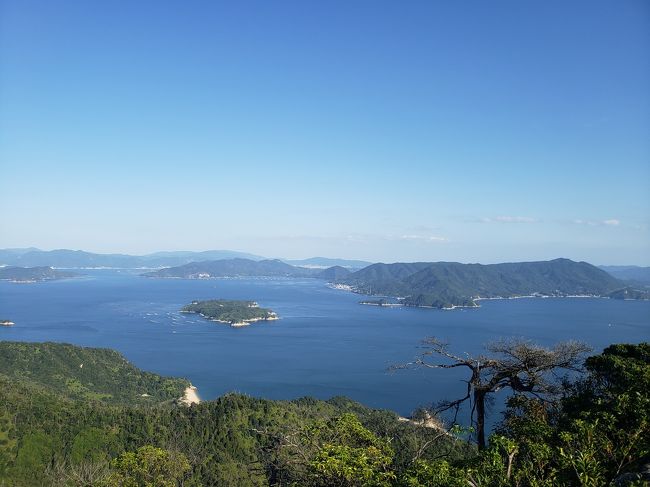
x=229, y=311
x=597, y=434
x=29, y=274
x=86, y=373
x=446, y=284
x=150, y=467
x=46, y=438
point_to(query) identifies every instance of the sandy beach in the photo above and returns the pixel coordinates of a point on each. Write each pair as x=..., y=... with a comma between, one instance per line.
x=190, y=397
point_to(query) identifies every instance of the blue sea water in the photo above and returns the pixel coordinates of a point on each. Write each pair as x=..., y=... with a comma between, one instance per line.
x=325, y=343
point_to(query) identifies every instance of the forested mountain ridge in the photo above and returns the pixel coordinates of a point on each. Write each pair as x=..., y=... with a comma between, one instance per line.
x=632, y=273
x=333, y=274
x=325, y=262
x=448, y=284
x=435, y=284
x=234, y=268
x=92, y=374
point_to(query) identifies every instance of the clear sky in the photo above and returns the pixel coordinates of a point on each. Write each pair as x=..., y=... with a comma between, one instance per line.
x=389, y=131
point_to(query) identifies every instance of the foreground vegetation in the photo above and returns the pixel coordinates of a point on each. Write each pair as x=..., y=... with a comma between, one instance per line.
x=597, y=433
x=91, y=374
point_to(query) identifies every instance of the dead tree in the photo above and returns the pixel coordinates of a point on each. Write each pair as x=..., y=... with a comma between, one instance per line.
x=518, y=365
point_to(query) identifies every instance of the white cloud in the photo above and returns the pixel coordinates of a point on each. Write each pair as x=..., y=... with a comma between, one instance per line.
x=509, y=219
x=423, y=238
x=612, y=222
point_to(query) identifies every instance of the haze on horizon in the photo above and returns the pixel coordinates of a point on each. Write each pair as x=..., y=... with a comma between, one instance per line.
x=379, y=131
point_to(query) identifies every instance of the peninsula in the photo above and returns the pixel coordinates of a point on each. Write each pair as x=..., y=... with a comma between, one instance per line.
x=33, y=274
x=234, y=313
x=449, y=285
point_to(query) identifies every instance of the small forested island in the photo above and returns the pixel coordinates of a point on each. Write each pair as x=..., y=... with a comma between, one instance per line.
x=33, y=274
x=235, y=313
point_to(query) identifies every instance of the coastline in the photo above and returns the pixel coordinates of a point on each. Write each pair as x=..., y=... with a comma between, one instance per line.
x=236, y=324
x=190, y=396
x=475, y=301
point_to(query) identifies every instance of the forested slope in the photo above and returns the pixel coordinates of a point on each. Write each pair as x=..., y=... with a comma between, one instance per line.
x=51, y=434
x=447, y=284
x=97, y=374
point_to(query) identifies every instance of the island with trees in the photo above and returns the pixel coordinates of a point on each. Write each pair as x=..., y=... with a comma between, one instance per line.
x=33, y=274
x=234, y=313
x=448, y=285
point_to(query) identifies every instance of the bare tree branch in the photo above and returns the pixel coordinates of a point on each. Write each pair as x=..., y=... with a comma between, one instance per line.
x=518, y=365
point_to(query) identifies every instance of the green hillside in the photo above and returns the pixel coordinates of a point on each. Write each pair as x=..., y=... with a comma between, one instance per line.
x=596, y=435
x=86, y=373
x=50, y=435
x=333, y=274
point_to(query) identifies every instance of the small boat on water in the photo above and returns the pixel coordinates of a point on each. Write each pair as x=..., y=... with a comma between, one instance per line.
x=7, y=323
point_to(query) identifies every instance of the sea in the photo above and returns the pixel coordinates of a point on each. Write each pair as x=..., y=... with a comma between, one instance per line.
x=325, y=343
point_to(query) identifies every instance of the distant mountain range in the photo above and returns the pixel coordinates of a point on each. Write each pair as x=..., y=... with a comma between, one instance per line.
x=631, y=273
x=334, y=274
x=449, y=284
x=248, y=268
x=234, y=268
x=435, y=284
x=78, y=258
x=30, y=257
x=324, y=262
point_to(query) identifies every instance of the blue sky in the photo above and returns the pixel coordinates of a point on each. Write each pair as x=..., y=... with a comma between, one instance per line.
x=391, y=131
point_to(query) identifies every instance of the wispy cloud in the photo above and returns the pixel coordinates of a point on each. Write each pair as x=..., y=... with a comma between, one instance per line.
x=364, y=238
x=611, y=222
x=509, y=219
x=423, y=238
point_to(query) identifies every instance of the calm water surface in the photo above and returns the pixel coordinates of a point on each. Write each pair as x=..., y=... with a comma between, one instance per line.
x=325, y=344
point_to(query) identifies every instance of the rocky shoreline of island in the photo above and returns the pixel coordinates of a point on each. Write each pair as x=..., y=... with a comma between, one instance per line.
x=474, y=302
x=237, y=314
